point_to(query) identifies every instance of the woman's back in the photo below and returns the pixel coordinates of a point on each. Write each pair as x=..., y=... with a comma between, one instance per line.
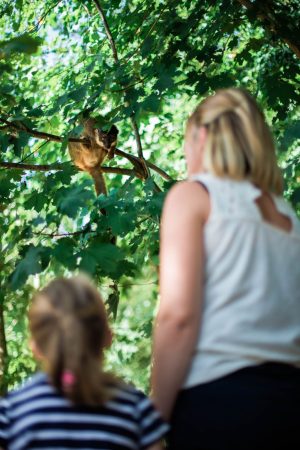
x=251, y=301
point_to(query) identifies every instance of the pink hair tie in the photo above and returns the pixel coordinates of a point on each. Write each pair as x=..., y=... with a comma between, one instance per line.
x=68, y=379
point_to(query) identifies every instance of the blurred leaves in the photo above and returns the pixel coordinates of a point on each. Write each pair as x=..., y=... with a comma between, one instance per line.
x=21, y=44
x=34, y=260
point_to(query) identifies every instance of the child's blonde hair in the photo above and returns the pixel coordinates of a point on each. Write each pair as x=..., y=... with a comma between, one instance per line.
x=69, y=326
x=239, y=143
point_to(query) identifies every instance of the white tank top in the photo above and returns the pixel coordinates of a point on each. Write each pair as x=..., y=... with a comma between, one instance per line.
x=251, y=301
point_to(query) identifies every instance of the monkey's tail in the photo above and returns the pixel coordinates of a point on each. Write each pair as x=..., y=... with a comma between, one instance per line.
x=98, y=177
x=100, y=187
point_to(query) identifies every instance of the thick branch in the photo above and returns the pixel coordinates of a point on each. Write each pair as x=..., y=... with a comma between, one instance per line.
x=36, y=167
x=137, y=137
x=139, y=146
x=52, y=137
x=137, y=163
x=272, y=27
x=39, y=134
x=119, y=170
x=133, y=159
x=59, y=167
x=160, y=171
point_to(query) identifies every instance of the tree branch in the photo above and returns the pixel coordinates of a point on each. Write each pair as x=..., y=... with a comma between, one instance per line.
x=74, y=233
x=272, y=27
x=135, y=161
x=137, y=137
x=139, y=146
x=119, y=170
x=36, y=167
x=52, y=137
x=59, y=167
x=107, y=31
x=148, y=32
x=42, y=18
x=39, y=134
x=132, y=118
x=126, y=88
x=3, y=351
x=160, y=171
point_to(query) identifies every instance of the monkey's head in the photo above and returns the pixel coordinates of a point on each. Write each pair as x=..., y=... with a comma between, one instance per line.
x=106, y=139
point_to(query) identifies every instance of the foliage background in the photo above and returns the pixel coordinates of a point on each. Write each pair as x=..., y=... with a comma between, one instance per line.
x=145, y=69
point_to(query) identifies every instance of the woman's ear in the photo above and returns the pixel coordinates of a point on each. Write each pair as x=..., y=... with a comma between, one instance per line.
x=108, y=338
x=194, y=148
x=202, y=138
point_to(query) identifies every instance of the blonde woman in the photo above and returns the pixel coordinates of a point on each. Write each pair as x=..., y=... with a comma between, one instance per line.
x=73, y=403
x=226, y=369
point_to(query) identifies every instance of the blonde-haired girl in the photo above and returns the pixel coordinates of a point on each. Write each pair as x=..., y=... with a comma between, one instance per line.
x=227, y=338
x=73, y=403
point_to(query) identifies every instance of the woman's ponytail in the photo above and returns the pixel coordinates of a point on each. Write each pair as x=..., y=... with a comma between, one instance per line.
x=239, y=144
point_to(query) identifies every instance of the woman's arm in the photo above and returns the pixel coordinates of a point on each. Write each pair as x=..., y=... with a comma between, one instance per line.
x=181, y=266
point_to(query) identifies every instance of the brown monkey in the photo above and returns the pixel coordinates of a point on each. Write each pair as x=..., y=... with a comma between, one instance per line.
x=89, y=158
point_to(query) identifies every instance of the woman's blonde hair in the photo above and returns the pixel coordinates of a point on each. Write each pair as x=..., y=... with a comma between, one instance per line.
x=69, y=326
x=239, y=143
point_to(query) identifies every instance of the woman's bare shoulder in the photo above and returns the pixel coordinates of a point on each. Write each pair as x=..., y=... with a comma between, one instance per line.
x=187, y=196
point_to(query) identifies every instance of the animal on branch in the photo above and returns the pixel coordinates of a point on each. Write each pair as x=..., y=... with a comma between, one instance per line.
x=90, y=156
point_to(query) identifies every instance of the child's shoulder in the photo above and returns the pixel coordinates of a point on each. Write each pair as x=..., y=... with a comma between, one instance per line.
x=126, y=391
x=128, y=394
x=35, y=385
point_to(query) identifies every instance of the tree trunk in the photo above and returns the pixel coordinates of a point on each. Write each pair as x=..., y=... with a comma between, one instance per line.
x=3, y=353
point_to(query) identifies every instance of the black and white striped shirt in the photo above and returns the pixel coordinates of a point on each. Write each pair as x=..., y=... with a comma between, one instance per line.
x=36, y=416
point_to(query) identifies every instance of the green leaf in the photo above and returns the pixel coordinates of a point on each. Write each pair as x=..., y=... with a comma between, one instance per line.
x=78, y=94
x=4, y=67
x=88, y=263
x=122, y=224
x=64, y=253
x=69, y=200
x=36, y=201
x=292, y=132
x=20, y=142
x=6, y=186
x=36, y=112
x=35, y=260
x=105, y=256
x=146, y=47
x=151, y=104
x=21, y=44
x=113, y=303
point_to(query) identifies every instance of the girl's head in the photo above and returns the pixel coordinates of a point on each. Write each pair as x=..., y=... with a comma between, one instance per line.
x=69, y=329
x=227, y=135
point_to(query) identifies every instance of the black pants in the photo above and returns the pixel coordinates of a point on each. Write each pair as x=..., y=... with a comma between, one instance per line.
x=257, y=408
